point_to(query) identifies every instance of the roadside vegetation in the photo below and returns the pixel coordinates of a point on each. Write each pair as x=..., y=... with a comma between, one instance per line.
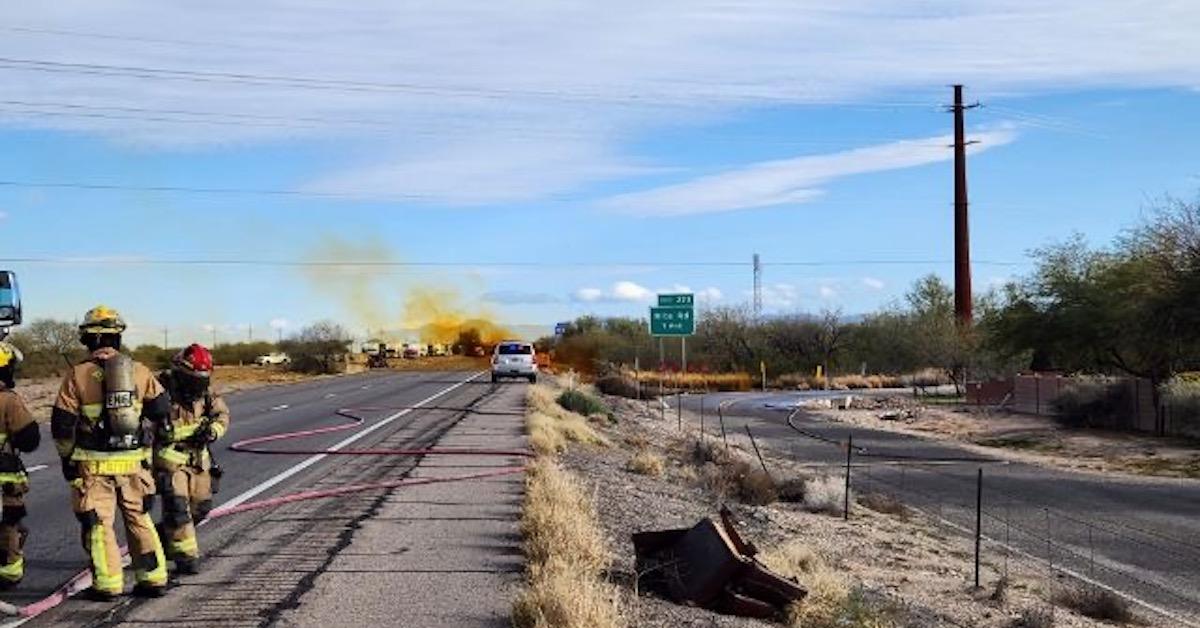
x=566, y=552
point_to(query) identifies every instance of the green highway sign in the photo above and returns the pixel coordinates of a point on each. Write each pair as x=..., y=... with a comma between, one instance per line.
x=676, y=300
x=672, y=321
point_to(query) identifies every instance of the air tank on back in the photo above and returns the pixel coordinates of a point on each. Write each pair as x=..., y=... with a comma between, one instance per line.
x=120, y=392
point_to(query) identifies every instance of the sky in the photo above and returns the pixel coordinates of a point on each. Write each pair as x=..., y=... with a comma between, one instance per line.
x=534, y=161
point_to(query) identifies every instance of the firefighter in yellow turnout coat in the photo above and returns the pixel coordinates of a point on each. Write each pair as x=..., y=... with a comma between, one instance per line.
x=102, y=424
x=183, y=466
x=18, y=432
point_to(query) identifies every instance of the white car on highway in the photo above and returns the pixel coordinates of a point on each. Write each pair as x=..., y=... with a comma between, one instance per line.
x=513, y=358
x=272, y=358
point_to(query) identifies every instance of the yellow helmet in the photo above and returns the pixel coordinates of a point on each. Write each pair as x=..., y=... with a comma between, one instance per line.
x=9, y=355
x=102, y=320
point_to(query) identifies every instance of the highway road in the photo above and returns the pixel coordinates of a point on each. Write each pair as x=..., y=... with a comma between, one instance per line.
x=53, y=552
x=1140, y=536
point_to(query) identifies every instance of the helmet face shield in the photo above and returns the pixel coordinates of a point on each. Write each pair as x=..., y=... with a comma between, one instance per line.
x=190, y=387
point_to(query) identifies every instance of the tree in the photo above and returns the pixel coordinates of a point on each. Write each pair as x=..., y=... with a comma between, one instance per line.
x=828, y=339
x=938, y=338
x=49, y=347
x=468, y=340
x=318, y=348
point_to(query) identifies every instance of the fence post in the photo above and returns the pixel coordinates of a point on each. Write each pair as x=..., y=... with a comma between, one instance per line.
x=846, y=496
x=758, y=453
x=978, y=521
x=679, y=410
x=721, y=418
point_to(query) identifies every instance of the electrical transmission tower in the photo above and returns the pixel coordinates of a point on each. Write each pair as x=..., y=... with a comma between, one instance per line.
x=757, y=287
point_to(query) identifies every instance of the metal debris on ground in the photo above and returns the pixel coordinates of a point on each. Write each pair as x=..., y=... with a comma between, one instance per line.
x=709, y=565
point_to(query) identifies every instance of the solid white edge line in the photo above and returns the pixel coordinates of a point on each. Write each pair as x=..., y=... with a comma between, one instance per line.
x=257, y=490
x=297, y=468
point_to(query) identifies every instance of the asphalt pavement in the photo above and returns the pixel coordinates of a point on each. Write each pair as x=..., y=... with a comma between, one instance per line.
x=1139, y=536
x=53, y=552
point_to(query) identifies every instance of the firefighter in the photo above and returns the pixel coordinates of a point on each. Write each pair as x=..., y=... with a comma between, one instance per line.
x=106, y=411
x=183, y=464
x=18, y=432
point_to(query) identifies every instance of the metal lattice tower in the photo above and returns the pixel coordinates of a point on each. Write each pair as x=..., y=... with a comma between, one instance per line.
x=757, y=287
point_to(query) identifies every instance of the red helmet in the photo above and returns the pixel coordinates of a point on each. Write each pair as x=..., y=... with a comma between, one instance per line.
x=195, y=360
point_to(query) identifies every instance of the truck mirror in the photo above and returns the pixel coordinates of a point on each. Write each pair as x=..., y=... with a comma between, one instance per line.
x=10, y=299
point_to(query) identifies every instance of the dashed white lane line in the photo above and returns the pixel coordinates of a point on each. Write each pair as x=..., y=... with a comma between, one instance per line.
x=36, y=467
x=330, y=395
x=280, y=407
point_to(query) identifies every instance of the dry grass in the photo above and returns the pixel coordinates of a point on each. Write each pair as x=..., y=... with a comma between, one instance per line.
x=1094, y=602
x=646, y=462
x=825, y=494
x=695, y=382
x=567, y=555
x=565, y=548
x=731, y=475
x=802, y=381
x=552, y=427
x=828, y=594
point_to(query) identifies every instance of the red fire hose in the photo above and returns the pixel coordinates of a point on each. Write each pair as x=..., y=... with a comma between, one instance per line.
x=83, y=579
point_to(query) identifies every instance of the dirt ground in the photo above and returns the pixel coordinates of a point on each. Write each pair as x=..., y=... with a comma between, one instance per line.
x=903, y=563
x=1033, y=439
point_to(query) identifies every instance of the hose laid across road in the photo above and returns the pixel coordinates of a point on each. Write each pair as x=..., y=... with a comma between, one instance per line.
x=83, y=579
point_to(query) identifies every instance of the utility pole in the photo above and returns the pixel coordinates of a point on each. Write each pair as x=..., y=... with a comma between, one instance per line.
x=165, y=345
x=249, y=332
x=757, y=288
x=962, y=238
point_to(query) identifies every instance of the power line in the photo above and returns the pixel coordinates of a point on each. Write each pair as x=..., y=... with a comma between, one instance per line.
x=335, y=84
x=201, y=190
x=367, y=264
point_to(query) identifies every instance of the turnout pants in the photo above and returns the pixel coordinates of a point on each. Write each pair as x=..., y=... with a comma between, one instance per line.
x=187, y=499
x=96, y=500
x=12, y=533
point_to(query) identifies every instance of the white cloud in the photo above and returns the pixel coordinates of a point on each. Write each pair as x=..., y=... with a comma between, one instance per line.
x=509, y=100
x=279, y=323
x=780, y=296
x=589, y=295
x=827, y=292
x=873, y=283
x=629, y=291
x=709, y=295
x=790, y=181
x=621, y=291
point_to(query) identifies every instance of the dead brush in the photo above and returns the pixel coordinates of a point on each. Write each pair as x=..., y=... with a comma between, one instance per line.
x=884, y=504
x=1000, y=591
x=646, y=462
x=1033, y=618
x=1094, y=602
x=825, y=494
x=791, y=490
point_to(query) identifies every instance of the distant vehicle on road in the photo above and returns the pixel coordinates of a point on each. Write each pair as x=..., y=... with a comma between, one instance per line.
x=272, y=358
x=513, y=358
x=413, y=350
x=371, y=347
x=438, y=349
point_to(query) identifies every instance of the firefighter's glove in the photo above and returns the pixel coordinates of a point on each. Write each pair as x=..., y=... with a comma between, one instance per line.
x=203, y=436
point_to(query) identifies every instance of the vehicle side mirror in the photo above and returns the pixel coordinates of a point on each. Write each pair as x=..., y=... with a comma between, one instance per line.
x=10, y=299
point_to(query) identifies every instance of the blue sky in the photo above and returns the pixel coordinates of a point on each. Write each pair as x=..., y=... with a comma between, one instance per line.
x=610, y=146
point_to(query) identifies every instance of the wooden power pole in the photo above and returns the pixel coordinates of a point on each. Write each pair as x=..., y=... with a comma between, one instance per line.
x=962, y=238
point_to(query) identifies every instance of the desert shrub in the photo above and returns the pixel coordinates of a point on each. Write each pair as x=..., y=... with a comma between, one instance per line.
x=620, y=386
x=1095, y=602
x=830, y=602
x=883, y=503
x=318, y=348
x=1093, y=402
x=756, y=488
x=582, y=403
x=792, y=490
x=825, y=494
x=925, y=378
x=49, y=347
x=1182, y=398
x=646, y=462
